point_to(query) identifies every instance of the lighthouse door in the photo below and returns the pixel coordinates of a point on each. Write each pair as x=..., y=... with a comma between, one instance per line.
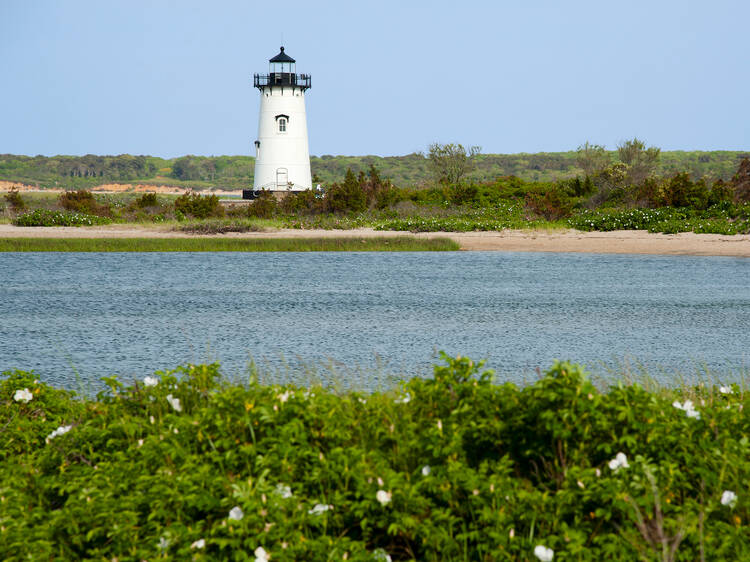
x=282, y=177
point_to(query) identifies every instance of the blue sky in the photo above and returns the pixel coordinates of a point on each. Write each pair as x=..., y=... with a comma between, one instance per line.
x=169, y=78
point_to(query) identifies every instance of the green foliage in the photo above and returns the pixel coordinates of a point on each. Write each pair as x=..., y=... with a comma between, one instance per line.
x=451, y=467
x=217, y=244
x=641, y=161
x=264, y=206
x=552, y=205
x=44, y=217
x=198, y=206
x=82, y=201
x=451, y=162
x=592, y=158
x=346, y=196
x=721, y=219
x=14, y=199
x=146, y=200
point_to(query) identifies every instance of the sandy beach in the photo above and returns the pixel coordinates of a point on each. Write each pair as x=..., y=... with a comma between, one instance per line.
x=617, y=242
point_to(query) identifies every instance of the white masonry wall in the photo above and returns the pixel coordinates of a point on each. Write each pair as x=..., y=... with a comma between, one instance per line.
x=282, y=150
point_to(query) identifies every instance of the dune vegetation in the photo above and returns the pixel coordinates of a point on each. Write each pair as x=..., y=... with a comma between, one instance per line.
x=184, y=464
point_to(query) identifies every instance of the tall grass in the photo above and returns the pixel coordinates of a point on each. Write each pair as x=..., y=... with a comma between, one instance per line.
x=376, y=244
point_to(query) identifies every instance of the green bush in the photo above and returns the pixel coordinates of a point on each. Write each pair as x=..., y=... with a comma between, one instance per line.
x=45, y=217
x=15, y=200
x=82, y=201
x=264, y=206
x=186, y=465
x=146, y=200
x=199, y=206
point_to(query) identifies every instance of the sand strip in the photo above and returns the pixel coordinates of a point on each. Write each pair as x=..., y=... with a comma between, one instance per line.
x=618, y=242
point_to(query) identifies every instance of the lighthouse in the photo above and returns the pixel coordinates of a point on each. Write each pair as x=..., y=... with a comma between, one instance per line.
x=282, y=156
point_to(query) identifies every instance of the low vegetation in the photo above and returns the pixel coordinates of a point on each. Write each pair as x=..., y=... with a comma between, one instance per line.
x=625, y=192
x=186, y=465
x=375, y=244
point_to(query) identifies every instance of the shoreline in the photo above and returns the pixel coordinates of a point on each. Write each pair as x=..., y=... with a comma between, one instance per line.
x=555, y=241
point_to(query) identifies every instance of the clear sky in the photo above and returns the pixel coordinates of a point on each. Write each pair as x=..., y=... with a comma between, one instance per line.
x=169, y=78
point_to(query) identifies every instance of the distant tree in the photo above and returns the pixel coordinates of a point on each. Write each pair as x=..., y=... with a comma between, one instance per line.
x=592, y=158
x=641, y=161
x=741, y=182
x=451, y=162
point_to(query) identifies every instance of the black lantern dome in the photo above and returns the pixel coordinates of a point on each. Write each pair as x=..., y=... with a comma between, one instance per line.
x=282, y=72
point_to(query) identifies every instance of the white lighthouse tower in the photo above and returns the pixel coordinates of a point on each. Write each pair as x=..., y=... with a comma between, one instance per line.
x=282, y=156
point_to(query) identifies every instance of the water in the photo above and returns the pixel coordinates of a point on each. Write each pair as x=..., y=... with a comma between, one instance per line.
x=368, y=316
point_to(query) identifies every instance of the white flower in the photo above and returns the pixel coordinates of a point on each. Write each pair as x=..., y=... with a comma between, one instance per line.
x=235, y=514
x=284, y=491
x=728, y=498
x=62, y=430
x=426, y=470
x=174, y=402
x=284, y=396
x=260, y=554
x=200, y=543
x=23, y=395
x=383, y=497
x=405, y=399
x=688, y=408
x=150, y=381
x=381, y=554
x=163, y=543
x=620, y=461
x=725, y=389
x=319, y=509
x=543, y=553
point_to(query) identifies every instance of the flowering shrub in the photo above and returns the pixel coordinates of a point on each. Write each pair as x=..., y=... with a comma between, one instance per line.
x=666, y=220
x=45, y=217
x=464, y=469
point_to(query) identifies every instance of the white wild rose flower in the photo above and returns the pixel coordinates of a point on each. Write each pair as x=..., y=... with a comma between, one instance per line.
x=728, y=498
x=381, y=555
x=150, y=381
x=23, y=396
x=543, y=553
x=426, y=470
x=319, y=509
x=236, y=514
x=383, y=497
x=200, y=543
x=620, y=461
x=688, y=408
x=405, y=399
x=174, y=402
x=261, y=555
x=284, y=491
x=62, y=430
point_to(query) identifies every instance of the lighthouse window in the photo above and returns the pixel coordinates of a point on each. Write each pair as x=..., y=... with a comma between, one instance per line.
x=282, y=125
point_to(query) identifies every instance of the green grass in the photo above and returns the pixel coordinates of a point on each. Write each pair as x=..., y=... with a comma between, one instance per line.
x=379, y=244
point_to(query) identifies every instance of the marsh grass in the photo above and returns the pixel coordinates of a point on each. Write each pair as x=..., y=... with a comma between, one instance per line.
x=375, y=244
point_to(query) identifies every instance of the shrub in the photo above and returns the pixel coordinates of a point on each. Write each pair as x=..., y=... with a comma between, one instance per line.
x=199, y=206
x=45, y=217
x=146, y=200
x=264, y=206
x=14, y=199
x=346, y=196
x=187, y=465
x=82, y=201
x=552, y=205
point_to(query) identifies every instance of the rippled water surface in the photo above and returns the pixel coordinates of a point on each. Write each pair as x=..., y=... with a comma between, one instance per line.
x=131, y=314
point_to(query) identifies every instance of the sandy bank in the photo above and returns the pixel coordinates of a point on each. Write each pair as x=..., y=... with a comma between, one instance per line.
x=618, y=242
